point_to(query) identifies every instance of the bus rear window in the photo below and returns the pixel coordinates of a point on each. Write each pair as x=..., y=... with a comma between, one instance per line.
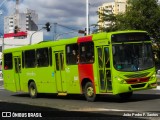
x=8, y=61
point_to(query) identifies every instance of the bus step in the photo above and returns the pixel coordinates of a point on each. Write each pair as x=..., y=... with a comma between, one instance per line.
x=62, y=94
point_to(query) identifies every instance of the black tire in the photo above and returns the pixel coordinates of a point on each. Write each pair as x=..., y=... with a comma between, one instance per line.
x=126, y=95
x=89, y=92
x=32, y=90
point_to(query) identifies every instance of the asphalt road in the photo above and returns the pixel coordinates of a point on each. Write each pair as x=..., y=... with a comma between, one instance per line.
x=111, y=107
x=143, y=105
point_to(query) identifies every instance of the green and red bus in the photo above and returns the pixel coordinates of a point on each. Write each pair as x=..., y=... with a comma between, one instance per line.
x=115, y=63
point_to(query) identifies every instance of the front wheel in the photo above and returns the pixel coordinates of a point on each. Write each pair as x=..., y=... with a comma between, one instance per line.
x=32, y=90
x=89, y=92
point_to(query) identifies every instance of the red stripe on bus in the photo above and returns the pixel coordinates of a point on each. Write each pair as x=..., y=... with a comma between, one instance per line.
x=85, y=70
x=84, y=39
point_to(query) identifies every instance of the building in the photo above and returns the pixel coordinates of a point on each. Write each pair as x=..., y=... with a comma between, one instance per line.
x=11, y=40
x=26, y=31
x=116, y=7
x=26, y=21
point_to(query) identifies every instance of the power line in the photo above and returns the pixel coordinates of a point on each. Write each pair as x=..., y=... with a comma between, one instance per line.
x=2, y=3
x=67, y=27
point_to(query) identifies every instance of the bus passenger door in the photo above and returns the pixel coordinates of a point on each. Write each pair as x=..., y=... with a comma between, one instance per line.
x=17, y=66
x=104, y=69
x=59, y=61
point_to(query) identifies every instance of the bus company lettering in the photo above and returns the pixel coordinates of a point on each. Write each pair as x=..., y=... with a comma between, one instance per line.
x=31, y=74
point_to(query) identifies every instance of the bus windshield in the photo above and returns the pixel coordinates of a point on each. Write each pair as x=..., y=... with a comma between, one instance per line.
x=132, y=57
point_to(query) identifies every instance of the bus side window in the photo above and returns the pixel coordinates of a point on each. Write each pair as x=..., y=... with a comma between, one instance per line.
x=30, y=58
x=22, y=59
x=57, y=62
x=100, y=59
x=8, y=61
x=107, y=59
x=87, y=52
x=72, y=54
x=50, y=56
x=42, y=57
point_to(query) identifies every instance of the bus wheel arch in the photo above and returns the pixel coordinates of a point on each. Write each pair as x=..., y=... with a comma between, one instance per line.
x=32, y=88
x=88, y=90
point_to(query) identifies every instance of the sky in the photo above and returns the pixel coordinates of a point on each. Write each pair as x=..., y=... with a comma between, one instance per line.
x=69, y=13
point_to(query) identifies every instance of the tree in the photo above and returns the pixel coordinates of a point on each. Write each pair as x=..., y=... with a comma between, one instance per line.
x=139, y=15
x=107, y=16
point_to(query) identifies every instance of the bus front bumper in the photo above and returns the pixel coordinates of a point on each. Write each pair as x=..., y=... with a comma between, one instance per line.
x=123, y=88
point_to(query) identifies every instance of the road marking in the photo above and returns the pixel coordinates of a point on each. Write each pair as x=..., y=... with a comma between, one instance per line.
x=116, y=110
x=101, y=109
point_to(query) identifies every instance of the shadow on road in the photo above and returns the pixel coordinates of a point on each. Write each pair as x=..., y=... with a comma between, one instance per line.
x=53, y=113
x=100, y=98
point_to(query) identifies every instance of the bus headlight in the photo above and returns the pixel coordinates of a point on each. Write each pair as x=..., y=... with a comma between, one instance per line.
x=121, y=80
x=153, y=76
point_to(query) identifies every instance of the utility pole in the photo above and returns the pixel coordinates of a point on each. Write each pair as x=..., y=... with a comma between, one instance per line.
x=2, y=36
x=87, y=17
x=55, y=31
x=17, y=9
x=16, y=13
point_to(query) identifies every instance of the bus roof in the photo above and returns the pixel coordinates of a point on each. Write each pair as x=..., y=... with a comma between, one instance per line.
x=97, y=36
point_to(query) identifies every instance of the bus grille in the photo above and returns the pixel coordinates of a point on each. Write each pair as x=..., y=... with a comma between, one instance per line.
x=138, y=85
x=137, y=75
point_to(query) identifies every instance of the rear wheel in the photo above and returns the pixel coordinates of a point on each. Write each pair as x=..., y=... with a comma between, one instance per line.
x=126, y=95
x=32, y=90
x=89, y=92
